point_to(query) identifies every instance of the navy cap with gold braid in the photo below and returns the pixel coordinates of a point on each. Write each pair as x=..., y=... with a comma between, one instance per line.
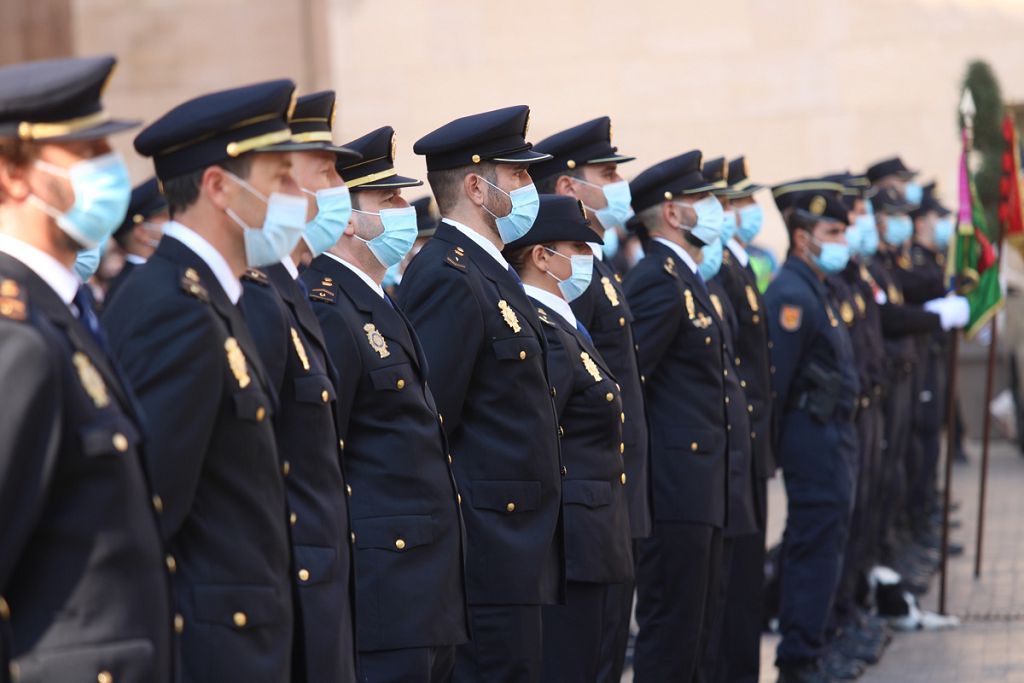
x=668, y=180
x=376, y=169
x=786, y=193
x=820, y=206
x=586, y=143
x=497, y=136
x=57, y=100
x=146, y=202
x=740, y=184
x=219, y=126
x=716, y=172
x=312, y=123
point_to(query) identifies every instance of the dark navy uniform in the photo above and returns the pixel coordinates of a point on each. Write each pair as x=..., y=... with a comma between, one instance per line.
x=189, y=355
x=485, y=348
x=291, y=346
x=147, y=201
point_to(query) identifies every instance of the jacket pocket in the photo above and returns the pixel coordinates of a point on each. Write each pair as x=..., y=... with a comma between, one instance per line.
x=124, y=660
x=113, y=438
x=251, y=405
x=314, y=564
x=239, y=607
x=591, y=494
x=695, y=441
x=397, y=534
x=516, y=348
x=392, y=378
x=314, y=389
x=506, y=496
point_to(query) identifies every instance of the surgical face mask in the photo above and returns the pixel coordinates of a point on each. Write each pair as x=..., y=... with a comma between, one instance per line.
x=333, y=209
x=709, y=219
x=898, y=230
x=617, y=209
x=154, y=233
x=577, y=283
x=392, y=277
x=751, y=220
x=862, y=236
x=913, y=193
x=729, y=225
x=283, y=224
x=102, y=193
x=87, y=262
x=833, y=257
x=525, y=205
x=711, y=262
x=611, y=242
x=391, y=246
x=943, y=231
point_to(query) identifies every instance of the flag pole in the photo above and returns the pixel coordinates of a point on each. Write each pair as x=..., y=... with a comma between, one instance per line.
x=985, y=439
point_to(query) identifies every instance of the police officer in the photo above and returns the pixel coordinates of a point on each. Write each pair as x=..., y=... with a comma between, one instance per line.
x=816, y=389
x=178, y=333
x=83, y=587
x=484, y=345
x=293, y=351
x=407, y=529
x=555, y=262
x=140, y=232
x=682, y=354
x=584, y=165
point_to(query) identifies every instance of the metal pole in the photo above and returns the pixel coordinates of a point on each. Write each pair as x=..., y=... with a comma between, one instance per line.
x=951, y=394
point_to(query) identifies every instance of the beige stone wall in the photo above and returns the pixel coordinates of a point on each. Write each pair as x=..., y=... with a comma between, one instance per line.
x=799, y=86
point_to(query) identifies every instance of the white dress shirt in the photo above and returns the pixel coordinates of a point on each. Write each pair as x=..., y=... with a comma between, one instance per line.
x=738, y=251
x=362, y=276
x=552, y=301
x=62, y=281
x=480, y=240
x=210, y=256
x=289, y=265
x=680, y=252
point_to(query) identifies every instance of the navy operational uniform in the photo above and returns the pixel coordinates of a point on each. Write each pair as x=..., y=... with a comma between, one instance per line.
x=682, y=354
x=292, y=348
x=816, y=391
x=178, y=333
x=147, y=201
x=84, y=593
x=485, y=348
x=605, y=313
x=406, y=524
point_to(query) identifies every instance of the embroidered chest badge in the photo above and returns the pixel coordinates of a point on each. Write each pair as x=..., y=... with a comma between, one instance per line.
x=510, y=317
x=609, y=291
x=91, y=380
x=590, y=366
x=376, y=340
x=300, y=350
x=236, y=361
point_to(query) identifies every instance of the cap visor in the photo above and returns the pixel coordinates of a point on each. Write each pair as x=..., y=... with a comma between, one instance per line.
x=101, y=130
x=392, y=181
x=707, y=187
x=750, y=189
x=526, y=156
x=615, y=159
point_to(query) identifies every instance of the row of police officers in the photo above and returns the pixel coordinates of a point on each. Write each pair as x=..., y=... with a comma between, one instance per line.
x=267, y=460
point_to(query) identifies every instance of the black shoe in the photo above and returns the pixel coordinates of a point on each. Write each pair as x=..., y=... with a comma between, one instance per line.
x=809, y=672
x=860, y=645
x=840, y=667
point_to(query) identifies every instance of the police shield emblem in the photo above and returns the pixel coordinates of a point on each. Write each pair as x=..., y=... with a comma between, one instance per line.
x=376, y=340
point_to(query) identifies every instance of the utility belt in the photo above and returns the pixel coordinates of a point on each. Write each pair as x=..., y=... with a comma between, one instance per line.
x=819, y=393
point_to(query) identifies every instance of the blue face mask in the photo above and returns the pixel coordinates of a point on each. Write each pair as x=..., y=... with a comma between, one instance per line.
x=283, y=225
x=577, y=283
x=833, y=257
x=913, y=193
x=611, y=242
x=102, y=192
x=392, y=278
x=333, y=209
x=525, y=205
x=709, y=219
x=943, y=231
x=729, y=225
x=391, y=246
x=751, y=220
x=865, y=242
x=898, y=230
x=617, y=209
x=87, y=262
x=712, y=261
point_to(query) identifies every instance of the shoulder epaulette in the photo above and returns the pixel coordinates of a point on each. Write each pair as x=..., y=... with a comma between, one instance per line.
x=455, y=258
x=256, y=275
x=326, y=291
x=543, y=315
x=12, y=301
x=191, y=284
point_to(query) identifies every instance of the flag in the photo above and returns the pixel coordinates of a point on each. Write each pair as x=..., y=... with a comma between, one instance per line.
x=973, y=259
x=1011, y=208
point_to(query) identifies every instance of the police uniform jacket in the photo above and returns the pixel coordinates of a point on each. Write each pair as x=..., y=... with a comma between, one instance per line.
x=590, y=412
x=485, y=348
x=84, y=592
x=118, y=280
x=188, y=354
x=406, y=524
x=682, y=356
x=868, y=345
x=899, y=320
x=291, y=346
x=604, y=311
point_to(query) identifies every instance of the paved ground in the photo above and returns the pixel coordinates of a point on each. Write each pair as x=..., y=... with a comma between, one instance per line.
x=989, y=646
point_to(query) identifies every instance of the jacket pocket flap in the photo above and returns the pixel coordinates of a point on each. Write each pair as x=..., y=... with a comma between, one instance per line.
x=613, y=319
x=515, y=348
x=396, y=534
x=238, y=606
x=113, y=438
x=251, y=405
x=698, y=441
x=506, y=496
x=314, y=389
x=314, y=564
x=392, y=378
x=123, y=660
x=591, y=494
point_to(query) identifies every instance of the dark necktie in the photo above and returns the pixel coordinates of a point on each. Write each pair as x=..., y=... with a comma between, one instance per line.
x=703, y=284
x=583, y=330
x=515, y=276
x=83, y=301
x=302, y=285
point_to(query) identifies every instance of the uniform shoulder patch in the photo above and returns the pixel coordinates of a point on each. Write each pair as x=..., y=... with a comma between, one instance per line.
x=790, y=317
x=326, y=291
x=191, y=285
x=542, y=313
x=256, y=275
x=456, y=258
x=12, y=300
x=903, y=262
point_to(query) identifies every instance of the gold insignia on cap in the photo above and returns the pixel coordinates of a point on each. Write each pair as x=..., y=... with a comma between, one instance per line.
x=846, y=312
x=376, y=339
x=138, y=218
x=590, y=366
x=817, y=206
x=668, y=196
x=236, y=361
x=91, y=380
x=476, y=158
x=570, y=163
x=609, y=291
x=394, y=145
x=717, y=303
x=752, y=299
x=300, y=350
x=510, y=317
x=691, y=310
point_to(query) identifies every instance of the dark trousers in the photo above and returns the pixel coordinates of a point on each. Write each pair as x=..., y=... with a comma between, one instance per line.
x=677, y=582
x=573, y=634
x=505, y=645
x=895, y=447
x=618, y=613
x=713, y=650
x=408, y=665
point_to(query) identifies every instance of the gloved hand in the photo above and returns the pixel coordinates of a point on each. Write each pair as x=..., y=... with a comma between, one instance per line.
x=953, y=311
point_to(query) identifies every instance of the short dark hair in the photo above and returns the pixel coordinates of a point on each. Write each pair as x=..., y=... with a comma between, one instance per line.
x=547, y=184
x=447, y=184
x=182, y=191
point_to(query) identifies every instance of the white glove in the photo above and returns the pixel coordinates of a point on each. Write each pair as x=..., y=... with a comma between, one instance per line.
x=953, y=311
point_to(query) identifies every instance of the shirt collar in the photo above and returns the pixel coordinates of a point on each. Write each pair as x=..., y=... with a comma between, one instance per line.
x=62, y=281
x=480, y=240
x=289, y=265
x=362, y=276
x=210, y=256
x=598, y=251
x=134, y=258
x=552, y=301
x=738, y=251
x=680, y=252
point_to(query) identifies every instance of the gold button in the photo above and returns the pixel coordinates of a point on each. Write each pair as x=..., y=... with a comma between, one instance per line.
x=440, y=417
x=622, y=478
x=643, y=379
x=553, y=392
x=158, y=504
x=622, y=418
x=179, y=623
x=511, y=507
x=522, y=355
x=561, y=431
x=707, y=341
x=120, y=442
x=738, y=361
x=449, y=458
x=400, y=384
x=693, y=446
x=348, y=490
x=240, y=619
x=476, y=158
x=726, y=400
x=352, y=537
x=104, y=677
x=5, y=610
x=725, y=373
x=564, y=471
x=458, y=498
x=172, y=565
x=756, y=318
x=400, y=544
x=341, y=444
x=753, y=435
x=261, y=413
x=286, y=467
x=622, y=322
x=622, y=447
x=293, y=518
x=324, y=396
x=743, y=383
x=750, y=409
x=772, y=369
x=609, y=397
x=303, y=575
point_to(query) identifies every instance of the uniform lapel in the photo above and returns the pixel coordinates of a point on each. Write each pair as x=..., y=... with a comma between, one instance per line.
x=297, y=302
